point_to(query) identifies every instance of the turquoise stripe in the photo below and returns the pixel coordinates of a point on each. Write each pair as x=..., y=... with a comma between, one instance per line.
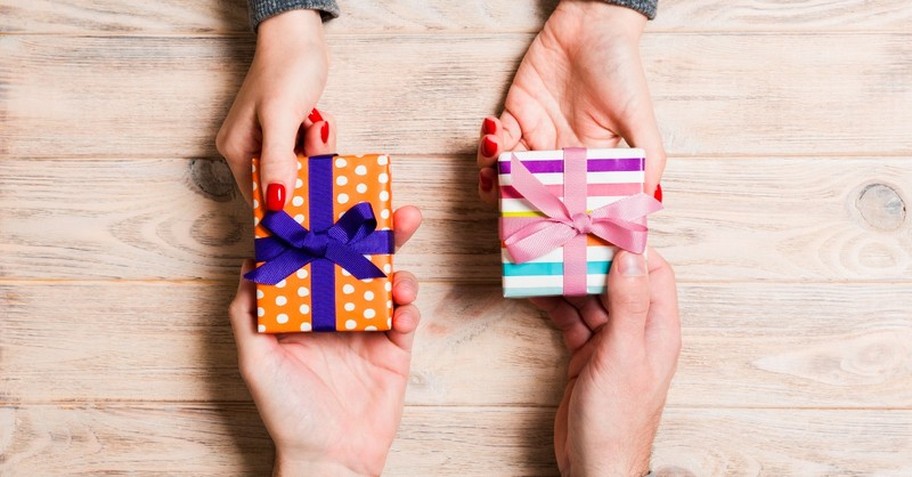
x=525, y=292
x=549, y=268
x=516, y=292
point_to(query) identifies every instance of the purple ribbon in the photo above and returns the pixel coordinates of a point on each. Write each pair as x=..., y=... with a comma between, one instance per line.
x=291, y=246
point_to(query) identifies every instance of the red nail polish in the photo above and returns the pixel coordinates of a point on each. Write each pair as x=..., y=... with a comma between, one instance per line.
x=275, y=197
x=488, y=147
x=486, y=183
x=315, y=116
x=489, y=126
x=658, y=192
x=324, y=133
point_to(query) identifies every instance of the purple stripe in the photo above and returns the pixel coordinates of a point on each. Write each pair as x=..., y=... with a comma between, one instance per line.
x=593, y=165
x=323, y=272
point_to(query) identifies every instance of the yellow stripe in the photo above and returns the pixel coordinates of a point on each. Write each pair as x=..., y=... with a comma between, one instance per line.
x=522, y=214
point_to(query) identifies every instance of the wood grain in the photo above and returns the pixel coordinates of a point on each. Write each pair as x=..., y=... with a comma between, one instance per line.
x=794, y=219
x=161, y=439
x=230, y=16
x=787, y=219
x=765, y=345
x=757, y=94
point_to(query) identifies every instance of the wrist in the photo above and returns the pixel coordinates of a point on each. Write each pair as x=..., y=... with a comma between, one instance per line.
x=616, y=463
x=285, y=467
x=290, y=27
x=618, y=20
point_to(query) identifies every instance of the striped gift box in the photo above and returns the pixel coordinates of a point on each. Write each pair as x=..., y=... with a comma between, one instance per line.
x=611, y=175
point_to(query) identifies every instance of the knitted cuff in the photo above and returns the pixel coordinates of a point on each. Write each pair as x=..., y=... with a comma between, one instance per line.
x=646, y=7
x=260, y=10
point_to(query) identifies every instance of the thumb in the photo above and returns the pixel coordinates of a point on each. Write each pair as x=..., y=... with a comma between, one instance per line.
x=243, y=312
x=278, y=162
x=627, y=298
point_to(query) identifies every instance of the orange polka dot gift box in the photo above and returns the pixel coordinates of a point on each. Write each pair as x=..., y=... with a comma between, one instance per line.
x=324, y=263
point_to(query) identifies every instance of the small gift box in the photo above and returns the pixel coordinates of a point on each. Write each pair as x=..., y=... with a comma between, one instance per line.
x=325, y=261
x=565, y=213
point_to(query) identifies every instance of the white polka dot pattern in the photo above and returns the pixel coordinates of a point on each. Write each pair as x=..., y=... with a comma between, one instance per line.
x=361, y=305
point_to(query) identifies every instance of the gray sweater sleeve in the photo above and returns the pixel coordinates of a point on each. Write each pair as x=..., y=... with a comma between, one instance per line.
x=262, y=9
x=646, y=7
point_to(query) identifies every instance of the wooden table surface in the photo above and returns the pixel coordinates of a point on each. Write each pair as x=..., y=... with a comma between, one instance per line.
x=789, y=131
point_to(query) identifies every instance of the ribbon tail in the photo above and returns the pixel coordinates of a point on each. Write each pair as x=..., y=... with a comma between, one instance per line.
x=379, y=242
x=537, y=239
x=268, y=248
x=356, y=264
x=278, y=268
x=630, y=237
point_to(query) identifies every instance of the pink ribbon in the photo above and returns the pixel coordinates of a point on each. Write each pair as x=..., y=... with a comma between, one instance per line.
x=622, y=223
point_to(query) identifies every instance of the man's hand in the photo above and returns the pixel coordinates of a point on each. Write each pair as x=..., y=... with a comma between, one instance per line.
x=624, y=349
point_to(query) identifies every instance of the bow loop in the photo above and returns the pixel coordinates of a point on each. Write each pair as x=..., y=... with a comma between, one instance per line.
x=621, y=223
x=292, y=246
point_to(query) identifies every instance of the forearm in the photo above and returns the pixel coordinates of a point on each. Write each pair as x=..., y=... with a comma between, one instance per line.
x=260, y=10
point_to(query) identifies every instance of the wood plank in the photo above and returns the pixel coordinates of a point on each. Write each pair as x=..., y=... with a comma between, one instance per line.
x=229, y=16
x=715, y=94
x=763, y=345
x=794, y=219
x=229, y=440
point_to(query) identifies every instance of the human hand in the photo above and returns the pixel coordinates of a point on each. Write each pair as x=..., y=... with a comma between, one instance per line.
x=581, y=83
x=330, y=401
x=624, y=349
x=283, y=84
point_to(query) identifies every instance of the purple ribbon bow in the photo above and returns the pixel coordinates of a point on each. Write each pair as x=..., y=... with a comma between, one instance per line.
x=345, y=243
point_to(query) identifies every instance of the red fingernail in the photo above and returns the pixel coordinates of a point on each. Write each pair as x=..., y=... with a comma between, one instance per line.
x=658, y=192
x=315, y=116
x=488, y=147
x=486, y=183
x=489, y=126
x=275, y=197
x=324, y=133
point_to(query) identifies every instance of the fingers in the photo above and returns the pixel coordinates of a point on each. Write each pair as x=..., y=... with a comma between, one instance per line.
x=640, y=129
x=319, y=134
x=242, y=313
x=663, y=326
x=406, y=315
x=490, y=145
x=566, y=318
x=278, y=161
x=649, y=139
x=238, y=132
x=406, y=221
x=627, y=299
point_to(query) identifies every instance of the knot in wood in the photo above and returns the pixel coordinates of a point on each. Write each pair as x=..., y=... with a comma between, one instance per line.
x=673, y=471
x=212, y=179
x=881, y=207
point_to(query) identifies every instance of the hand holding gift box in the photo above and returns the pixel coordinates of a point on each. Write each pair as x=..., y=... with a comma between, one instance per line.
x=565, y=213
x=325, y=261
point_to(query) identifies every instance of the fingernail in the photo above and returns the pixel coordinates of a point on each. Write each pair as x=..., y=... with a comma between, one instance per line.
x=632, y=265
x=315, y=116
x=658, y=192
x=486, y=183
x=488, y=147
x=324, y=133
x=489, y=126
x=275, y=197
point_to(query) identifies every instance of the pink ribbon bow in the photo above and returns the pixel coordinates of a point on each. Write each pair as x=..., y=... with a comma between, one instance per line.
x=567, y=223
